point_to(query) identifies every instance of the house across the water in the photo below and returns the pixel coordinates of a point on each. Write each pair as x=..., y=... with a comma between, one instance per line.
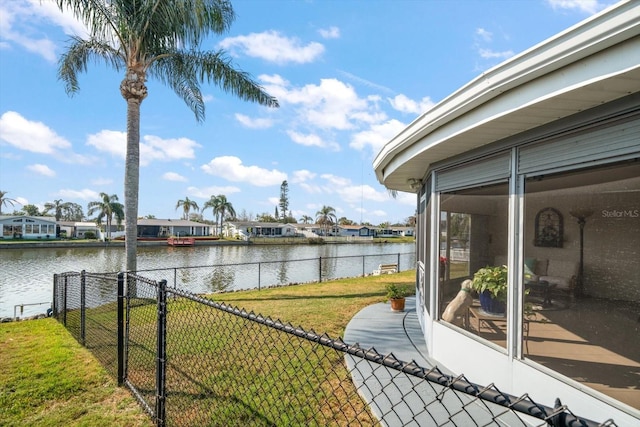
x=160, y=228
x=27, y=227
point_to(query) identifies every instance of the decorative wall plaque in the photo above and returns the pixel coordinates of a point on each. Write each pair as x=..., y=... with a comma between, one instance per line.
x=549, y=228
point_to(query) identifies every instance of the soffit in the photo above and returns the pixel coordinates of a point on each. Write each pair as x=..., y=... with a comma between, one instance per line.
x=539, y=87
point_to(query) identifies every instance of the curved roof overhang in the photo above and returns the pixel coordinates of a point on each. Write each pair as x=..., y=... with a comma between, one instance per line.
x=590, y=64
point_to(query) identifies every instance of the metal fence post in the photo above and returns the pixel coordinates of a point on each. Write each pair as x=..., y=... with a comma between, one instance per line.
x=161, y=353
x=320, y=270
x=64, y=301
x=363, y=261
x=398, y=262
x=54, y=309
x=121, y=353
x=259, y=274
x=83, y=312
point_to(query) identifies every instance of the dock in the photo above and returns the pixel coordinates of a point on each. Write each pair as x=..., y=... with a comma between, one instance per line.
x=181, y=241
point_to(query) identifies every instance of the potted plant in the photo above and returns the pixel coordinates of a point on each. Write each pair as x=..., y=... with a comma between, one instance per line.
x=396, y=297
x=491, y=285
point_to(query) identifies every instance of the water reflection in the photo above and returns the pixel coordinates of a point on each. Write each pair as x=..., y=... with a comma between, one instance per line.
x=220, y=279
x=26, y=275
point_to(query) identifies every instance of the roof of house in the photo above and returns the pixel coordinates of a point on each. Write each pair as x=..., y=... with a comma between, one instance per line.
x=39, y=218
x=260, y=224
x=589, y=64
x=354, y=227
x=170, y=223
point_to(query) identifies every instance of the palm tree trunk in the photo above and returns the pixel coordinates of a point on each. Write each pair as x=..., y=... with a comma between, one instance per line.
x=132, y=182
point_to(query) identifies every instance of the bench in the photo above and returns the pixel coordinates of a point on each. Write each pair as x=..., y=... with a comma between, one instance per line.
x=386, y=269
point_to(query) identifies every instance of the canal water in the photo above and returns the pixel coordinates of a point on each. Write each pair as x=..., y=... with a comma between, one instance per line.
x=26, y=275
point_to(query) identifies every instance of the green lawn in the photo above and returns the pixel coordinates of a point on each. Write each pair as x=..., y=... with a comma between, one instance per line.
x=47, y=379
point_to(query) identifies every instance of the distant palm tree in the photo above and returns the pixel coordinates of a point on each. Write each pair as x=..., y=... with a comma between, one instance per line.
x=213, y=203
x=72, y=212
x=5, y=201
x=57, y=206
x=221, y=207
x=306, y=219
x=326, y=217
x=159, y=39
x=107, y=208
x=226, y=209
x=187, y=204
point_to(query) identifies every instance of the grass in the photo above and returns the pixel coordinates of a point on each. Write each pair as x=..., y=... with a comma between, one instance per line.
x=324, y=307
x=47, y=379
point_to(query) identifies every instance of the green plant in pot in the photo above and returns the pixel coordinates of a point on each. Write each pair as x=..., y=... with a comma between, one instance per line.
x=396, y=297
x=491, y=285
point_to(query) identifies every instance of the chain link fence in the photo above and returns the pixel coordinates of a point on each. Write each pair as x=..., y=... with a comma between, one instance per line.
x=190, y=360
x=265, y=274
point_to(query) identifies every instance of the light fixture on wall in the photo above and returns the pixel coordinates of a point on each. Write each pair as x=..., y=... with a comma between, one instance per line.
x=415, y=184
x=581, y=215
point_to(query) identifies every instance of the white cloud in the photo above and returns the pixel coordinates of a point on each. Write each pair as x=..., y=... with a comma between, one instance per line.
x=365, y=82
x=151, y=147
x=587, y=6
x=21, y=22
x=490, y=54
x=156, y=148
x=207, y=192
x=41, y=170
x=232, y=169
x=274, y=47
x=377, y=136
x=330, y=105
x=84, y=194
x=485, y=35
x=406, y=105
x=252, y=123
x=172, y=176
x=329, y=33
x=302, y=176
x=30, y=135
x=312, y=140
x=109, y=141
x=37, y=137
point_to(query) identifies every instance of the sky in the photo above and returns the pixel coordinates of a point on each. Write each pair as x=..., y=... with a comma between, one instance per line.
x=348, y=75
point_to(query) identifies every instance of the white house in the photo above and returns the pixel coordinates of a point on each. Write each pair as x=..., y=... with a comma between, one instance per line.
x=27, y=227
x=355, y=231
x=159, y=228
x=248, y=229
x=535, y=164
x=78, y=229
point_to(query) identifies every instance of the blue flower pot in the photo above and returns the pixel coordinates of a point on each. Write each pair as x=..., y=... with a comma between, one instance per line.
x=490, y=305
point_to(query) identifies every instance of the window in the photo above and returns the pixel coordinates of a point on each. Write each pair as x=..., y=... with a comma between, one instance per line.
x=583, y=295
x=473, y=234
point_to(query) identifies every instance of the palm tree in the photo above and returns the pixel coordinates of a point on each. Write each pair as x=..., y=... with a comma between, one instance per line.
x=107, y=207
x=187, y=204
x=57, y=206
x=306, y=219
x=5, y=201
x=159, y=39
x=225, y=208
x=220, y=207
x=213, y=203
x=326, y=217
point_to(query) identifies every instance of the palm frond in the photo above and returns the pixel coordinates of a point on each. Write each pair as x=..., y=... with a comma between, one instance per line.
x=78, y=55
